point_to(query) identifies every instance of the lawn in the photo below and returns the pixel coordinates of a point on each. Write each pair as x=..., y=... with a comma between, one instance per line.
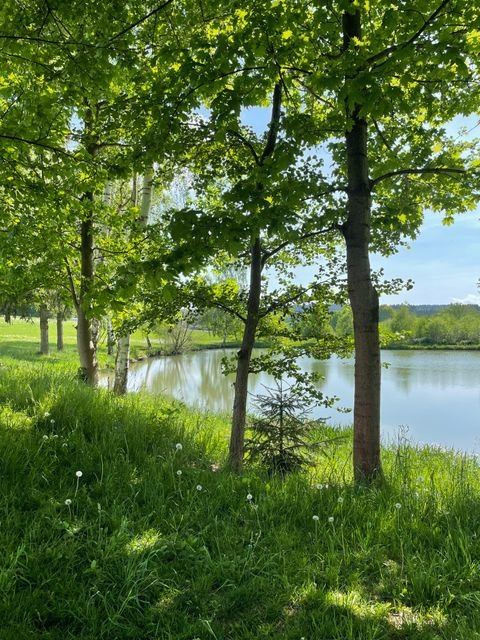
x=120, y=521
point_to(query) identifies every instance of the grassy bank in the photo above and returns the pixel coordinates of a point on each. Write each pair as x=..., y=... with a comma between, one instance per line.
x=102, y=537
x=20, y=340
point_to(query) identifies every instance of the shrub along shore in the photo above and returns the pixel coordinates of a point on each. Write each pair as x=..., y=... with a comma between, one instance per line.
x=119, y=520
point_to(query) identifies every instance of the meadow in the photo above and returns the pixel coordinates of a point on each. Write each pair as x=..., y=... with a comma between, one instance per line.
x=120, y=521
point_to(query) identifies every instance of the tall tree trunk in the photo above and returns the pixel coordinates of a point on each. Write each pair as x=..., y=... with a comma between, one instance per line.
x=237, y=436
x=363, y=296
x=110, y=337
x=60, y=330
x=121, y=365
x=148, y=341
x=44, y=330
x=123, y=343
x=146, y=197
x=87, y=348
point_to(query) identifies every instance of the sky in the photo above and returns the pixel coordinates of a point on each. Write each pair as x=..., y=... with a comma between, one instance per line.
x=443, y=261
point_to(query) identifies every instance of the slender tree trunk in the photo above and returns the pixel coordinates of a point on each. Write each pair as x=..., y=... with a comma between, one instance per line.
x=44, y=350
x=363, y=296
x=148, y=341
x=121, y=365
x=60, y=331
x=146, y=197
x=123, y=343
x=110, y=338
x=87, y=349
x=237, y=436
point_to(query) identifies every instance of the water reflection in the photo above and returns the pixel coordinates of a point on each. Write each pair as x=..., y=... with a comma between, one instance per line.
x=435, y=393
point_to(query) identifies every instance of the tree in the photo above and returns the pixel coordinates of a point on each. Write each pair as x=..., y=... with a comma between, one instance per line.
x=376, y=84
x=123, y=342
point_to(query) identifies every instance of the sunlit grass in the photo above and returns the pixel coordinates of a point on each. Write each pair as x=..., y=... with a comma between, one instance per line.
x=20, y=340
x=133, y=549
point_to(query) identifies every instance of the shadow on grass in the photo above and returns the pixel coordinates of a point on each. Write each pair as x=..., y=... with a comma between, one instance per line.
x=152, y=541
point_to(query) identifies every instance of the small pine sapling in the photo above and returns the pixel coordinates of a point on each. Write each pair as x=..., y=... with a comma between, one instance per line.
x=281, y=435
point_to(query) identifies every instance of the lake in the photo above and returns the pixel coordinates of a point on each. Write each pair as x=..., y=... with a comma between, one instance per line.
x=436, y=394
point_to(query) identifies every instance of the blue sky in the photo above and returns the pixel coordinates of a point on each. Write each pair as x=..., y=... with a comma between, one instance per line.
x=444, y=262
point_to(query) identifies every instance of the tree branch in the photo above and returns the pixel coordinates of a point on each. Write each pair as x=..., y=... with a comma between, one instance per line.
x=140, y=20
x=412, y=39
x=274, y=123
x=247, y=143
x=71, y=284
x=268, y=254
x=425, y=170
x=36, y=143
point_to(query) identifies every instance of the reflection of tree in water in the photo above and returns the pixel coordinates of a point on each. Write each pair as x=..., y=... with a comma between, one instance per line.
x=215, y=390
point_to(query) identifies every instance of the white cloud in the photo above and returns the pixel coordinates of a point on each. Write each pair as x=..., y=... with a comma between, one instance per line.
x=472, y=298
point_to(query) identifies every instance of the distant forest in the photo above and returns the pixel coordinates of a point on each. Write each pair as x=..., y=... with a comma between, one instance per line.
x=419, y=325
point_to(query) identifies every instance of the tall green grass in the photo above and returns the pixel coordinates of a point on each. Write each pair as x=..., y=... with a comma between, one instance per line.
x=131, y=548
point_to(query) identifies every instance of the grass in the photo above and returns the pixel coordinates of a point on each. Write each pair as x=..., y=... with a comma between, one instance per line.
x=142, y=552
x=20, y=340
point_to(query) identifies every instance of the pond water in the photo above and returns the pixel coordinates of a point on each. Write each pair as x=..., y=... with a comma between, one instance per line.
x=435, y=394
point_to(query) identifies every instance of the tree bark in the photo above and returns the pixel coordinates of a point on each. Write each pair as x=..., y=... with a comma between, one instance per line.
x=237, y=436
x=362, y=294
x=123, y=343
x=44, y=350
x=87, y=349
x=110, y=338
x=60, y=331
x=146, y=197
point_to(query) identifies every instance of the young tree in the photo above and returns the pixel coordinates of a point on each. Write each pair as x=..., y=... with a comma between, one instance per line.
x=376, y=84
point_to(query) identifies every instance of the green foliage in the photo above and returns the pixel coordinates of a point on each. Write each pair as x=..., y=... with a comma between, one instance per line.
x=281, y=436
x=456, y=325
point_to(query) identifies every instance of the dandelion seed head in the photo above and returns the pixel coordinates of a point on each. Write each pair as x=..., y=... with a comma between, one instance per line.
x=68, y=502
x=249, y=497
x=340, y=500
x=319, y=486
x=46, y=414
x=45, y=437
x=420, y=479
x=64, y=444
x=398, y=506
x=179, y=472
x=331, y=519
x=52, y=421
x=179, y=446
x=199, y=487
x=315, y=518
x=79, y=474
